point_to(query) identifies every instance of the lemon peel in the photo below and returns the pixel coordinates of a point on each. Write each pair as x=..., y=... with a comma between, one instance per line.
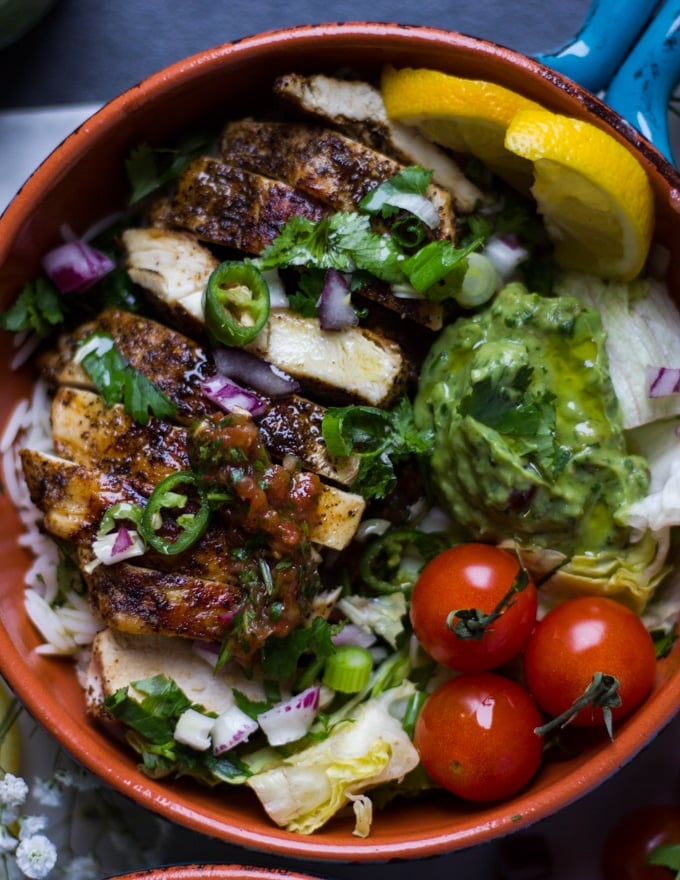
x=465, y=115
x=594, y=196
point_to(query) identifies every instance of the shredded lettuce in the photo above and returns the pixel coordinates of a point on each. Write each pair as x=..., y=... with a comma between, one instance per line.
x=643, y=327
x=303, y=791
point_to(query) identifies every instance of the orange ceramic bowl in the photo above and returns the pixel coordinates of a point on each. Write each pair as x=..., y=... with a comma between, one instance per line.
x=211, y=872
x=83, y=180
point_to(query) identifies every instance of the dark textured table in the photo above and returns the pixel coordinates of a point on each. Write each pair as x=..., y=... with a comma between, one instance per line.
x=89, y=50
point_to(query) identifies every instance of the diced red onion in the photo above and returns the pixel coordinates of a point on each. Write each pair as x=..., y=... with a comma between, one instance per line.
x=291, y=719
x=123, y=541
x=75, y=266
x=242, y=366
x=232, y=397
x=662, y=381
x=351, y=634
x=335, y=307
x=115, y=547
x=231, y=728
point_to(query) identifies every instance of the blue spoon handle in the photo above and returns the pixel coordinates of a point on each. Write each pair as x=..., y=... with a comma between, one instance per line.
x=606, y=36
x=642, y=87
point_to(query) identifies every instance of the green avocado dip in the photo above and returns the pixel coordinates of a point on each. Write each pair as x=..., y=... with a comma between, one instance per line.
x=528, y=442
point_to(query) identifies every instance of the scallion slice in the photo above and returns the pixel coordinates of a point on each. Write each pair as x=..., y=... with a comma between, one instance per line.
x=348, y=670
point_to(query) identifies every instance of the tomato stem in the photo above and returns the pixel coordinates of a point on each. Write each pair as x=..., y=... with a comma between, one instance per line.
x=472, y=623
x=602, y=693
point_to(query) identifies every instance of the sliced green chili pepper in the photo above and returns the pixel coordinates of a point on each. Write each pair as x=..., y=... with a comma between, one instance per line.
x=236, y=303
x=164, y=497
x=393, y=561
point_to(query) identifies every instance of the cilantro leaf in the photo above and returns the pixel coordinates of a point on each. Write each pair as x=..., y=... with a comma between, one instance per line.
x=149, y=168
x=118, y=381
x=280, y=656
x=344, y=241
x=381, y=439
x=38, y=307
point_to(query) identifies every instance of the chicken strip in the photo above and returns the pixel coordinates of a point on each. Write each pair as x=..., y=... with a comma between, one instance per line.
x=327, y=166
x=357, y=108
x=233, y=207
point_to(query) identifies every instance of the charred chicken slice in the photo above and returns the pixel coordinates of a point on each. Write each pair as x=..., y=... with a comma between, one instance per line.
x=327, y=166
x=357, y=108
x=233, y=207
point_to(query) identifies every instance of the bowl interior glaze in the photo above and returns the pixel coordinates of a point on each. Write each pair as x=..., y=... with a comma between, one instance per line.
x=83, y=180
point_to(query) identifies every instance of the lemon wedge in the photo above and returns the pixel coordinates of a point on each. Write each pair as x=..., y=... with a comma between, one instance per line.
x=10, y=748
x=465, y=115
x=594, y=196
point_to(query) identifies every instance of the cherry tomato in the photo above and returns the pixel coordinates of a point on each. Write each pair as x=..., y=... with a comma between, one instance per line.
x=633, y=837
x=473, y=580
x=475, y=736
x=582, y=637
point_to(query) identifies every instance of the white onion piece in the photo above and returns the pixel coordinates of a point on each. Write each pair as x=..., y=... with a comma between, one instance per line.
x=115, y=547
x=75, y=266
x=278, y=298
x=335, y=307
x=232, y=397
x=290, y=720
x=662, y=381
x=231, y=728
x=505, y=253
x=193, y=730
x=242, y=366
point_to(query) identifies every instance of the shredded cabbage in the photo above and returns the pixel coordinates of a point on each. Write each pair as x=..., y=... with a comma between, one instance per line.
x=303, y=791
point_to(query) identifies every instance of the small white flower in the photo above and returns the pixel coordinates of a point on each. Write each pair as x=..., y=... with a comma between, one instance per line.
x=30, y=825
x=36, y=856
x=47, y=792
x=76, y=777
x=13, y=790
x=8, y=842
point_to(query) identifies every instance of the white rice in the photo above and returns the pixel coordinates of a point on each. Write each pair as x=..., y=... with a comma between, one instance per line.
x=65, y=621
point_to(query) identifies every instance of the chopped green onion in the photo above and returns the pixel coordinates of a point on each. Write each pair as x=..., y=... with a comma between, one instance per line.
x=348, y=670
x=479, y=282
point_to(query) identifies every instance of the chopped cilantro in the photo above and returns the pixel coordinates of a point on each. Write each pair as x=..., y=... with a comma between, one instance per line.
x=149, y=168
x=280, y=656
x=39, y=307
x=118, y=381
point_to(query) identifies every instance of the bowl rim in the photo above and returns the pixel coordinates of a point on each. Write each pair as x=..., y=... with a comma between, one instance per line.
x=631, y=736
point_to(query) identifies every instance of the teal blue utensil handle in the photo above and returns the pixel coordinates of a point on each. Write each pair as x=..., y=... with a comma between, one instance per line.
x=606, y=36
x=628, y=50
x=641, y=89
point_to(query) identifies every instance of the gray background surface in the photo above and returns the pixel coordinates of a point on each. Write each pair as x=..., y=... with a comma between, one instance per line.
x=90, y=50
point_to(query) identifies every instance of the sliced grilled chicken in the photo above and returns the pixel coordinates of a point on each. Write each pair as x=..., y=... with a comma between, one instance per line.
x=74, y=497
x=324, y=164
x=290, y=425
x=352, y=364
x=119, y=658
x=234, y=207
x=357, y=108
x=174, y=267
x=87, y=432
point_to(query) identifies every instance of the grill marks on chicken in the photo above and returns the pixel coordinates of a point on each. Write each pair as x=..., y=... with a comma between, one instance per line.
x=229, y=206
x=320, y=162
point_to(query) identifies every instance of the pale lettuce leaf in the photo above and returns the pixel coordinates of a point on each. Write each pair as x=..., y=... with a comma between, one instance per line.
x=643, y=328
x=304, y=790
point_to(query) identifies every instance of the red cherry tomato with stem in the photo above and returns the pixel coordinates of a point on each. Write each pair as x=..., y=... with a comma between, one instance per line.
x=473, y=607
x=475, y=736
x=584, y=642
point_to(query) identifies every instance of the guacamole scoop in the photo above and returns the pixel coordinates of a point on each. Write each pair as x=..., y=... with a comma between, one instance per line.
x=528, y=439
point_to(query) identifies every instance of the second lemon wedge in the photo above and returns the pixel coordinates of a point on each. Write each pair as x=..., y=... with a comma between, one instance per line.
x=465, y=115
x=594, y=196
